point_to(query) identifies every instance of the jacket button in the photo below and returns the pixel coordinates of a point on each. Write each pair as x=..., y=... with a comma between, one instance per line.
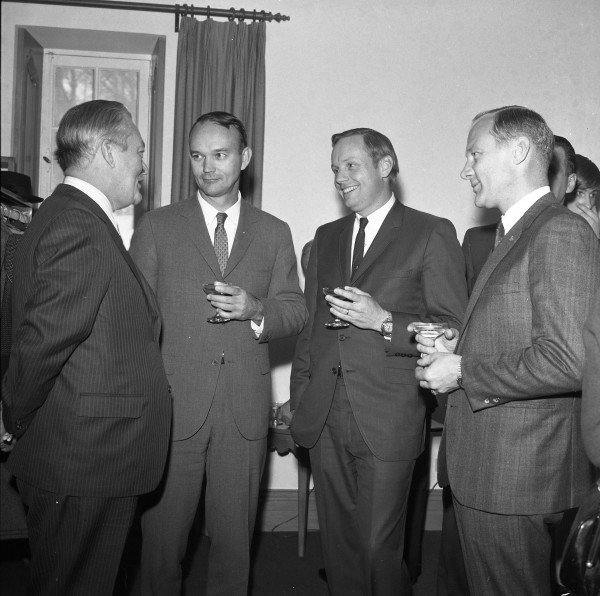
x=334, y=371
x=215, y=362
x=18, y=425
x=487, y=401
x=342, y=337
x=496, y=400
x=169, y=389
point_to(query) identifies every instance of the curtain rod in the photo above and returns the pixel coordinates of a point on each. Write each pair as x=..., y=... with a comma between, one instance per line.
x=179, y=9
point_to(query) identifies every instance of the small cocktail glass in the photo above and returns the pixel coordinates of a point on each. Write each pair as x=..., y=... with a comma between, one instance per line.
x=335, y=323
x=210, y=289
x=430, y=330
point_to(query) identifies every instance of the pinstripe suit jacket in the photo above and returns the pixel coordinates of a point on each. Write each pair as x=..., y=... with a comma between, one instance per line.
x=86, y=390
x=512, y=436
x=173, y=249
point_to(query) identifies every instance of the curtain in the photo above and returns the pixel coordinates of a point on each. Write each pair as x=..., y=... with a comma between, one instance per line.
x=220, y=66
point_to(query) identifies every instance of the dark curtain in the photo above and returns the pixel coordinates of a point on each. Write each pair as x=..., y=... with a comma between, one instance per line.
x=220, y=66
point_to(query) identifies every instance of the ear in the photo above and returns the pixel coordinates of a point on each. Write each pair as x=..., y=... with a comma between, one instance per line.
x=521, y=148
x=386, y=164
x=572, y=181
x=246, y=157
x=108, y=152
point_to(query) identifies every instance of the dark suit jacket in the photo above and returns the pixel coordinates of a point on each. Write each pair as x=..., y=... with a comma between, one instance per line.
x=86, y=390
x=477, y=246
x=513, y=440
x=172, y=247
x=414, y=268
x=590, y=412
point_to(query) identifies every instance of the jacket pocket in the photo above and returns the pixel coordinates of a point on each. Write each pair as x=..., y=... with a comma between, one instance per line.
x=102, y=405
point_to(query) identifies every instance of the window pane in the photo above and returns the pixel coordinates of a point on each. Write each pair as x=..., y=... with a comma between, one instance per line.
x=120, y=85
x=72, y=86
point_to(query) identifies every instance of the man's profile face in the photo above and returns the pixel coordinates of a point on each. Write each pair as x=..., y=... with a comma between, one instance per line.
x=130, y=171
x=217, y=161
x=560, y=182
x=358, y=180
x=488, y=166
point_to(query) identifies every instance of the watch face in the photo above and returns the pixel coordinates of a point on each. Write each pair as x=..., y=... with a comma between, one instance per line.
x=386, y=328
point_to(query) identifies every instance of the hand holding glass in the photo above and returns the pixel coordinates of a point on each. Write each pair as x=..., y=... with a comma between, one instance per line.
x=210, y=289
x=335, y=323
x=429, y=330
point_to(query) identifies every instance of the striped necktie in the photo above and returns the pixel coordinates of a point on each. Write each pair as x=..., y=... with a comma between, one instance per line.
x=359, y=246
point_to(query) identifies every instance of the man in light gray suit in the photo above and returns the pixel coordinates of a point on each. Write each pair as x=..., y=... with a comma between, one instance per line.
x=219, y=372
x=512, y=438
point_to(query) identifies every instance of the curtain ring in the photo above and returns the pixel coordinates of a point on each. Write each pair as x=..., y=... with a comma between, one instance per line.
x=254, y=16
x=231, y=17
x=242, y=15
x=208, y=12
x=263, y=15
x=177, y=18
x=192, y=11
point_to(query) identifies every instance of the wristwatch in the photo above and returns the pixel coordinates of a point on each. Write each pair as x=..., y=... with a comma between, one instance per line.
x=459, y=380
x=387, y=327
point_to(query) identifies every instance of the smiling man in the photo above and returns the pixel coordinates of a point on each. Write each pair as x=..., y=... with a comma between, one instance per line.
x=512, y=439
x=219, y=373
x=356, y=403
x=85, y=393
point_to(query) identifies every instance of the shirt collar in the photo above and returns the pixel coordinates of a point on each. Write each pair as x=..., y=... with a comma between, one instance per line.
x=96, y=195
x=516, y=211
x=376, y=218
x=210, y=213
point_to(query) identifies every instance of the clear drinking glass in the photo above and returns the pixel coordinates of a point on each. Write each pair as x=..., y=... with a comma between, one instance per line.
x=335, y=323
x=210, y=289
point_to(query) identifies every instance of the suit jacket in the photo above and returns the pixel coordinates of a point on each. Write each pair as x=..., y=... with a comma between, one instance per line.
x=477, y=246
x=590, y=411
x=86, y=391
x=172, y=247
x=415, y=269
x=513, y=439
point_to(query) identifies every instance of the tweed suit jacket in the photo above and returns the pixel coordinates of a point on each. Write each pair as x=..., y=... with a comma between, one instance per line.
x=477, y=246
x=415, y=269
x=86, y=391
x=173, y=248
x=512, y=435
x=590, y=414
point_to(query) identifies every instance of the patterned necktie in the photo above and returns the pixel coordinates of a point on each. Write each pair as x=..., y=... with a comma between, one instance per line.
x=499, y=235
x=359, y=246
x=221, y=248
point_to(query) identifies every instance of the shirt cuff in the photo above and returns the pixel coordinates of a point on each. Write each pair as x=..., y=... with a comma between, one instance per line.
x=258, y=329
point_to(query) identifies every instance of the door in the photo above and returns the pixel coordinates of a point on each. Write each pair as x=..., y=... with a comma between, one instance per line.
x=71, y=79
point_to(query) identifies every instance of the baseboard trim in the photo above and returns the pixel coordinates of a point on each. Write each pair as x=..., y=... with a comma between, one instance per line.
x=279, y=511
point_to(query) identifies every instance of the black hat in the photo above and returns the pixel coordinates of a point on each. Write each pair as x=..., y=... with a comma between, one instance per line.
x=17, y=186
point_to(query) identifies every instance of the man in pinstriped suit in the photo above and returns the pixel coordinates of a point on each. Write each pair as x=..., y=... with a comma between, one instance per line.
x=85, y=393
x=512, y=439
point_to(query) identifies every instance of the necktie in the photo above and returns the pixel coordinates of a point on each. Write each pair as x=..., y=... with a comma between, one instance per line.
x=359, y=246
x=221, y=248
x=499, y=235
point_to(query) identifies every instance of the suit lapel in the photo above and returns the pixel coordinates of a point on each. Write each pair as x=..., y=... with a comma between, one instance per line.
x=386, y=234
x=87, y=203
x=508, y=242
x=345, y=249
x=244, y=235
x=195, y=227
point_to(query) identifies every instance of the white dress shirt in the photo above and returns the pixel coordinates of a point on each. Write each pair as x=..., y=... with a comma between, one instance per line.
x=96, y=195
x=516, y=212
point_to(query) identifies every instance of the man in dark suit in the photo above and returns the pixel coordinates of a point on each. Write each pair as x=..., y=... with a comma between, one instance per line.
x=356, y=405
x=219, y=373
x=512, y=440
x=85, y=393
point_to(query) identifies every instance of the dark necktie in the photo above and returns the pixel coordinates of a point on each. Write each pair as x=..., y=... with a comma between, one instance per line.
x=499, y=235
x=221, y=248
x=359, y=246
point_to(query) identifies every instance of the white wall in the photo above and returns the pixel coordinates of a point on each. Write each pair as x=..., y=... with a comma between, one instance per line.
x=417, y=70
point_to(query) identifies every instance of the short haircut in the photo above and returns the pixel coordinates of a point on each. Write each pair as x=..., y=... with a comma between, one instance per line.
x=226, y=120
x=587, y=172
x=569, y=153
x=84, y=127
x=510, y=122
x=378, y=145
